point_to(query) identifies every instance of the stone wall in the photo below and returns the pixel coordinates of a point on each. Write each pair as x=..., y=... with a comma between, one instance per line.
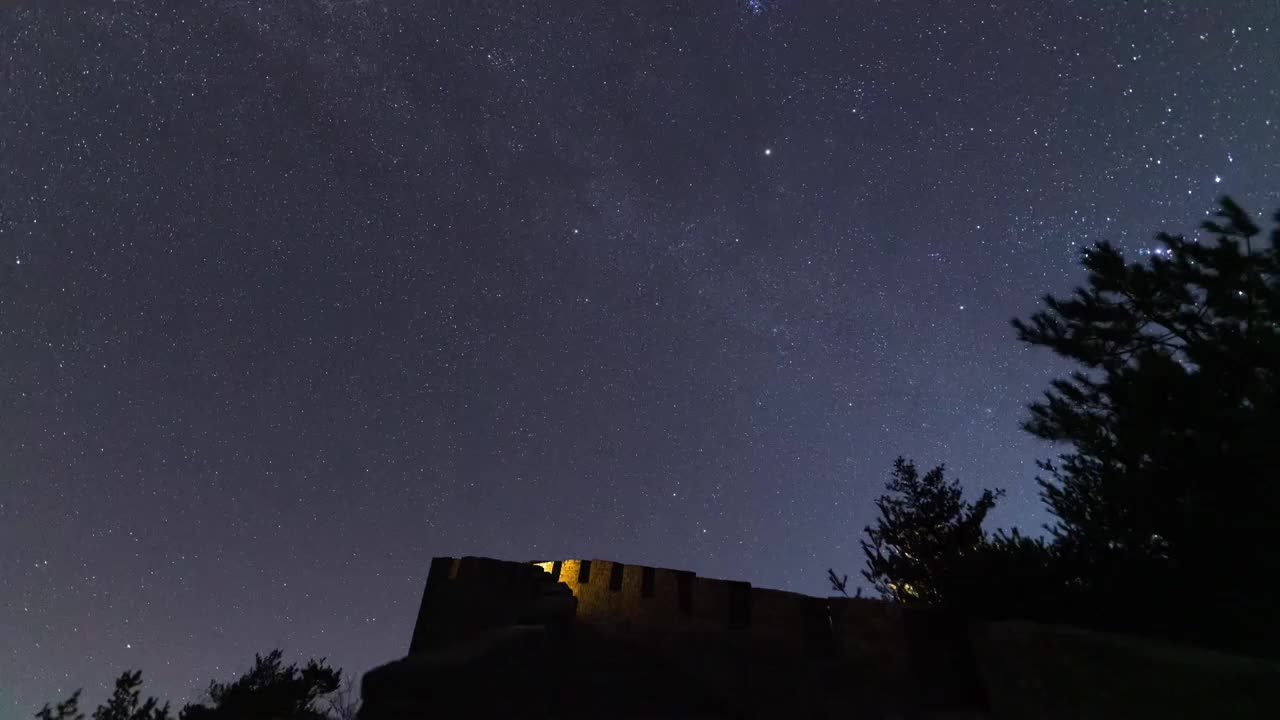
x=634, y=596
x=475, y=593
x=466, y=595
x=602, y=639
x=612, y=593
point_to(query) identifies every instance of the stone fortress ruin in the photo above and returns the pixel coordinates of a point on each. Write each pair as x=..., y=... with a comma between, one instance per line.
x=603, y=639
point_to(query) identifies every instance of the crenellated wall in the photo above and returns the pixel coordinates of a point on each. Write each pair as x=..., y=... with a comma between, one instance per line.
x=578, y=638
x=466, y=595
x=610, y=592
x=474, y=593
x=701, y=626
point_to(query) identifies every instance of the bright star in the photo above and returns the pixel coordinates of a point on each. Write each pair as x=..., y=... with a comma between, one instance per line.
x=768, y=151
x=1217, y=178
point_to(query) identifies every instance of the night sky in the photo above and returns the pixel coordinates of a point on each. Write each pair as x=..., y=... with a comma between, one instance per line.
x=294, y=296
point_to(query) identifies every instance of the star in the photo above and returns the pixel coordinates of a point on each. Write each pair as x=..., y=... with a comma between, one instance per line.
x=361, y=262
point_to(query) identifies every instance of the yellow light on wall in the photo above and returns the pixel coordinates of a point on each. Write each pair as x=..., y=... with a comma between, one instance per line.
x=569, y=570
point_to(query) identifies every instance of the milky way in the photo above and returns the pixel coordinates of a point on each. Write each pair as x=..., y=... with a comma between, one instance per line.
x=294, y=296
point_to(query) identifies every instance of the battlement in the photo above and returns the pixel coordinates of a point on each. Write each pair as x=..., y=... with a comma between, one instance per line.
x=470, y=593
x=642, y=597
x=598, y=638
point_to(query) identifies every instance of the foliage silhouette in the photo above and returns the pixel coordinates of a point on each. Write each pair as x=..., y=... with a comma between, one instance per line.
x=838, y=583
x=270, y=691
x=926, y=537
x=1165, y=501
x=125, y=703
x=1165, y=504
x=68, y=709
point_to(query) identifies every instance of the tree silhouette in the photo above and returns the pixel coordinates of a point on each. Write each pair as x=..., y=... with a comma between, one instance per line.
x=839, y=583
x=344, y=703
x=927, y=538
x=125, y=703
x=270, y=691
x=68, y=709
x=1166, y=502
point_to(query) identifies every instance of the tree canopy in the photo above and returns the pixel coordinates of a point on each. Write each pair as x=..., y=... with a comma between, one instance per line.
x=1166, y=496
x=125, y=703
x=1168, y=493
x=270, y=690
x=924, y=536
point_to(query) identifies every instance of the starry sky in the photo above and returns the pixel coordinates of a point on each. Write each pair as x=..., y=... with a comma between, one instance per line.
x=294, y=296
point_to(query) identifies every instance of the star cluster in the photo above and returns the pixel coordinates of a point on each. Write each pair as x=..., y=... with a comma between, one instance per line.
x=294, y=296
